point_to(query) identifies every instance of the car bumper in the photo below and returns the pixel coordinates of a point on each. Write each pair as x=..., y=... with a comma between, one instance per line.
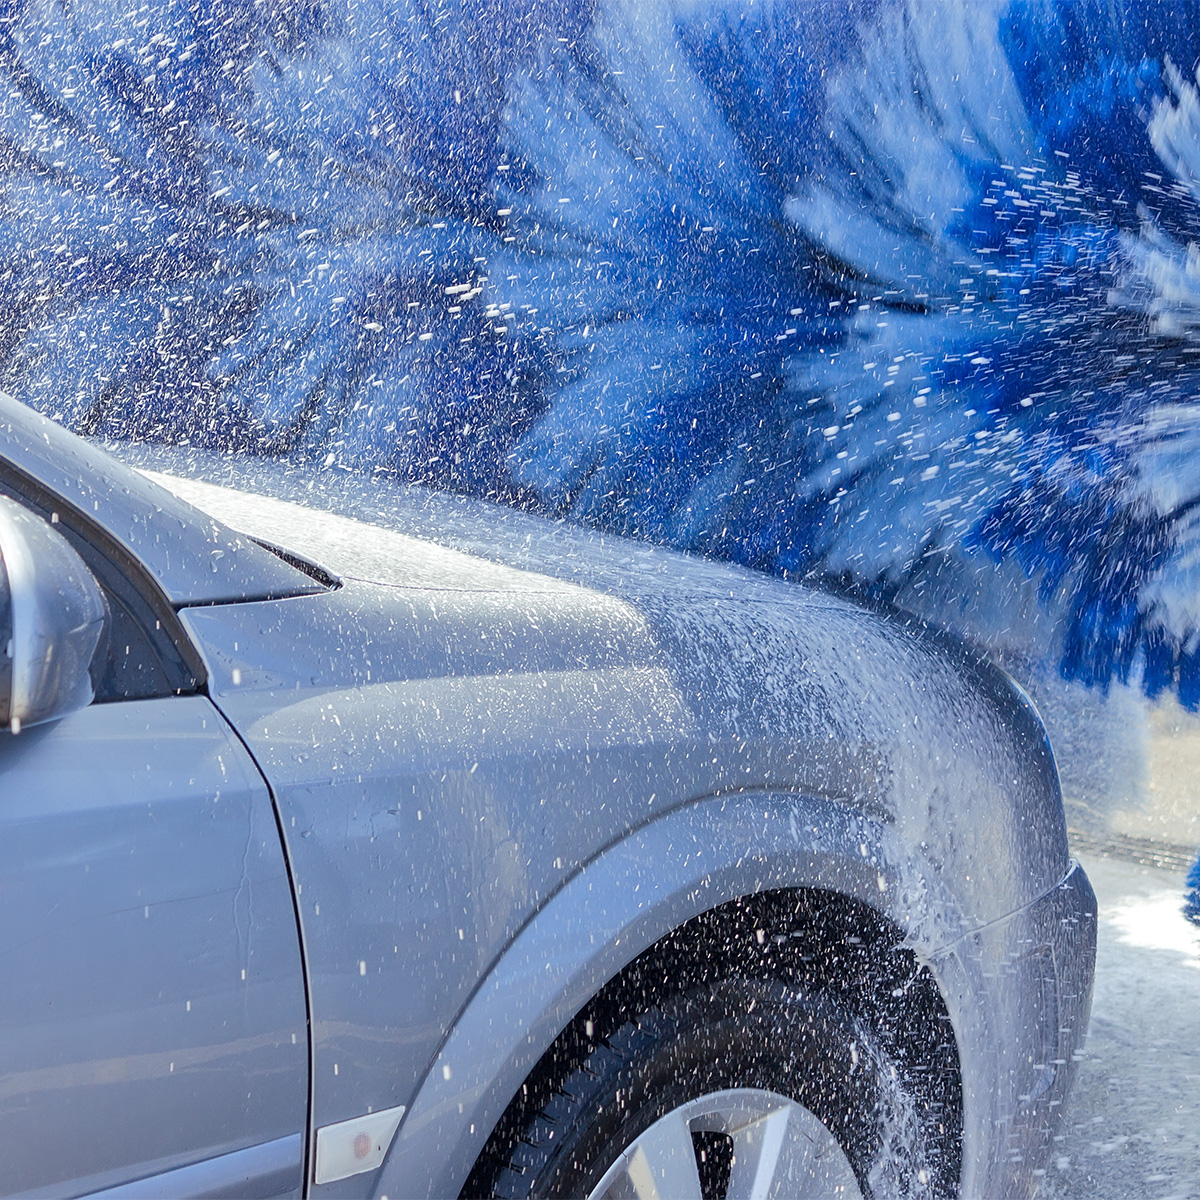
x=1020, y=994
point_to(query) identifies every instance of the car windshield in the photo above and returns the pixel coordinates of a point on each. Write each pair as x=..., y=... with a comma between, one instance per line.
x=896, y=300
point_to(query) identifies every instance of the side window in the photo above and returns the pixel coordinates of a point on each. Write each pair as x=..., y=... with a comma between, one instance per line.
x=144, y=652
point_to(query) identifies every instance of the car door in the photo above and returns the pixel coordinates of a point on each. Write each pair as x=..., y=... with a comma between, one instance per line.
x=153, y=1021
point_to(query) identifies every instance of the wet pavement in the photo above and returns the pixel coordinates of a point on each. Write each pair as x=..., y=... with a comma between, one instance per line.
x=1132, y=1126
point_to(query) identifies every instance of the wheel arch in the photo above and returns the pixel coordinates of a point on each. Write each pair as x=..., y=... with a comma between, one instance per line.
x=656, y=880
x=810, y=941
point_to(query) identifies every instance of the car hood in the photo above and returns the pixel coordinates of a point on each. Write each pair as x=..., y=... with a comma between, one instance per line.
x=403, y=535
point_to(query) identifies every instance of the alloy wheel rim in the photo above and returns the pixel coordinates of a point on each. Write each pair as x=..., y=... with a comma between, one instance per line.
x=771, y=1148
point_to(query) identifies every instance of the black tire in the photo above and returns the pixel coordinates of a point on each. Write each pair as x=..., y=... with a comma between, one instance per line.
x=738, y=1033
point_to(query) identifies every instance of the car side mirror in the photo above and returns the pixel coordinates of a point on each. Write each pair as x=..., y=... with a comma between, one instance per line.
x=52, y=614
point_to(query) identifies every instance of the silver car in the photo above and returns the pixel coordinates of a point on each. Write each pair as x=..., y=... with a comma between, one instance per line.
x=396, y=845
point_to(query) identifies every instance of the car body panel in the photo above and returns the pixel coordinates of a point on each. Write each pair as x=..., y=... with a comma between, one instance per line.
x=490, y=716
x=153, y=1012
x=698, y=857
x=1019, y=995
x=444, y=772
x=906, y=721
x=266, y=1171
x=686, y=862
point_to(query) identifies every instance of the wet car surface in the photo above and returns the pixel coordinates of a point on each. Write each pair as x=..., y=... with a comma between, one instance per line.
x=370, y=836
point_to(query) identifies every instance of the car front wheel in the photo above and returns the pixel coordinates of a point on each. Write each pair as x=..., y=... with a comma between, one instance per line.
x=746, y=1088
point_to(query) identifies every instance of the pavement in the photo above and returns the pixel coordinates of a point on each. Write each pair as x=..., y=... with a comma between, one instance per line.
x=1132, y=1123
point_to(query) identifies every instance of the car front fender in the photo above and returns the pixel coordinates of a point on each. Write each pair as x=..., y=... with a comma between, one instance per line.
x=627, y=898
